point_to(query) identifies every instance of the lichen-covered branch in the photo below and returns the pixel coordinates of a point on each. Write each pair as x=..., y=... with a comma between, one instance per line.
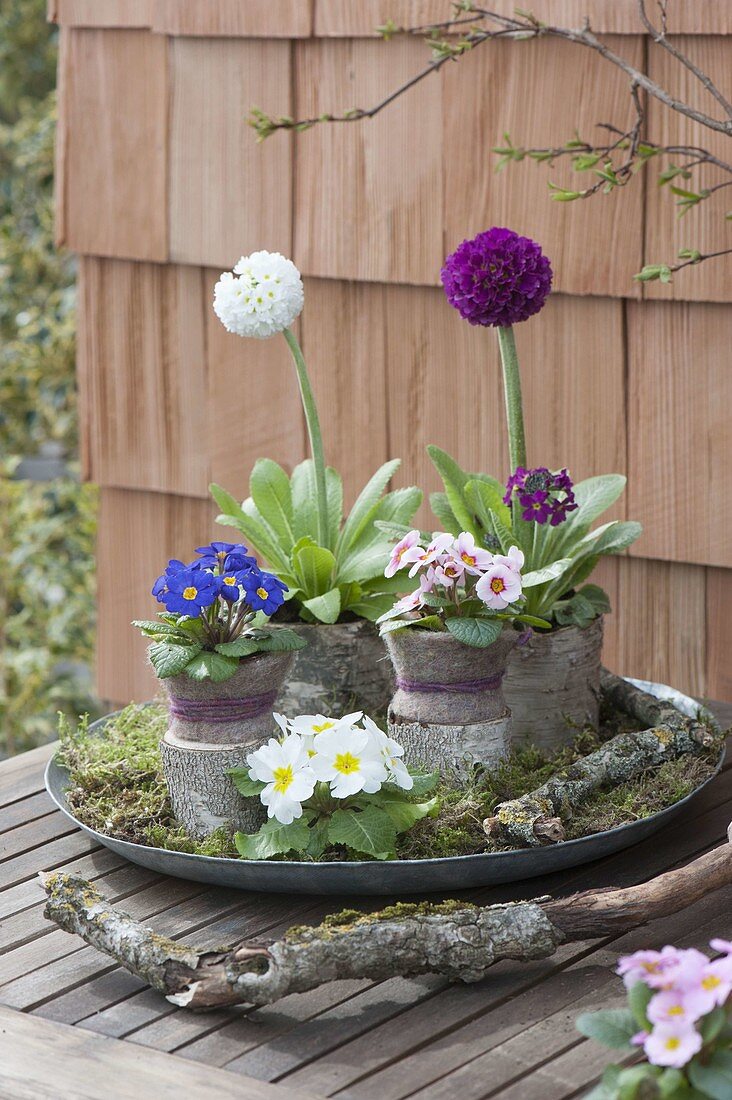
x=536, y=817
x=453, y=938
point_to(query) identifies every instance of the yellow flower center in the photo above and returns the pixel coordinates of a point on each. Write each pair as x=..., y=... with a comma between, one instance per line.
x=497, y=585
x=651, y=967
x=676, y=1010
x=190, y=593
x=710, y=982
x=283, y=777
x=346, y=763
x=468, y=559
x=262, y=593
x=327, y=725
x=231, y=581
x=672, y=1043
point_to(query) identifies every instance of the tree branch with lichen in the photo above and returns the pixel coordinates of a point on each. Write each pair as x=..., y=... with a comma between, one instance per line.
x=454, y=938
x=472, y=26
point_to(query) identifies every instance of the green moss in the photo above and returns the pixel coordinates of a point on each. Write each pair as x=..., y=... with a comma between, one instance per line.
x=117, y=788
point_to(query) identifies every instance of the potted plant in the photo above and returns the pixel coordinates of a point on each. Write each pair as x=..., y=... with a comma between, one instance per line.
x=222, y=667
x=332, y=566
x=552, y=684
x=449, y=641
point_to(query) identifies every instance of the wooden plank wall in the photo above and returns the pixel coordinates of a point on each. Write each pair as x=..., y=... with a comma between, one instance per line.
x=161, y=185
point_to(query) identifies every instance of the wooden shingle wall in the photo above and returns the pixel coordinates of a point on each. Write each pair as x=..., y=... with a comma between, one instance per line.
x=161, y=185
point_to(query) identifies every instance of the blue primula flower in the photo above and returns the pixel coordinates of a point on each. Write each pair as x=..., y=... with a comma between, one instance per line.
x=231, y=582
x=189, y=590
x=230, y=556
x=263, y=592
x=161, y=584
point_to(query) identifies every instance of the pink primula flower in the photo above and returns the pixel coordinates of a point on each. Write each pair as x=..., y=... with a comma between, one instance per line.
x=474, y=559
x=416, y=599
x=419, y=557
x=396, y=561
x=651, y=967
x=498, y=587
x=675, y=1006
x=672, y=1045
x=723, y=946
x=514, y=559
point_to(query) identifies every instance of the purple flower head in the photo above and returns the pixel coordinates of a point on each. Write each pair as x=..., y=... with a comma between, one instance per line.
x=543, y=495
x=497, y=278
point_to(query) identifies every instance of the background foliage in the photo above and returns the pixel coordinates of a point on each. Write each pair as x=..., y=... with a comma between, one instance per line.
x=47, y=529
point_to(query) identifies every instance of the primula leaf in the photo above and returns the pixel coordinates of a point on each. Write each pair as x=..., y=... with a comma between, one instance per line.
x=366, y=502
x=371, y=607
x=327, y=607
x=503, y=532
x=423, y=784
x=171, y=660
x=334, y=498
x=304, y=500
x=594, y=496
x=639, y=996
x=486, y=496
x=475, y=632
x=406, y=814
x=608, y=1086
x=361, y=565
x=249, y=788
x=548, y=573
x=619, y=537
x=370, y=831
x=712, y=1024
x=281, y=639
x=715, y=1078
x=632, y=1078
x=269, y=486
x=273, y=839
x=259, y=536
x=454, y=479
x=152, y=628
x=212, y=666
x=357, y=561
x=440, y=505
x=614, y=1027
x=318, y=840
x=314, y=568
x=240, y=647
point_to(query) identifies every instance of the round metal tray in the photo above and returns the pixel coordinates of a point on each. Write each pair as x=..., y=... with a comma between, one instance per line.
x=399, y=876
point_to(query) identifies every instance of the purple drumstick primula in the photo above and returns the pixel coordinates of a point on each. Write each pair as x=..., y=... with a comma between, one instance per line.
x=543, y=495
x=498, y=278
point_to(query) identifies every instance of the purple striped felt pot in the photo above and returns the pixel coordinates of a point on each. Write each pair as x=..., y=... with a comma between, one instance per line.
x=235, y=712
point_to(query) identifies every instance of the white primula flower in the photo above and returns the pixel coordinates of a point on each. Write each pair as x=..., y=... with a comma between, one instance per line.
x=262, y=297
x=346, y=758
x=391, y=752
x=284, y=767
x=308, y=726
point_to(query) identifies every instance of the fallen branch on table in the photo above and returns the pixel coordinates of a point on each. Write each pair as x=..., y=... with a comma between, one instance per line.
x=536, y=818
x=453, y=938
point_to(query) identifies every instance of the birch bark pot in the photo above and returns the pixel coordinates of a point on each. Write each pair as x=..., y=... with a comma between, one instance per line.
x=552, y=684
x=213, y=727
x=449, y=710
x=344, y=667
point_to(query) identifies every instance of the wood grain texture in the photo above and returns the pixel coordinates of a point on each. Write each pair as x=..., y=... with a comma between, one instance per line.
x=719, y=633
x=234, y=18
x=101, y=13
x=138, y=533
x=42, y=1058
x=532, y=92
x=679, y=432
x=228, y=195
x=343, y=333
x=113, y=190
x=444, y=384
x=662, y=623
x=143, y=375
x=703, y=227
x=368, y=195
x=253, y=403
x=355, y=18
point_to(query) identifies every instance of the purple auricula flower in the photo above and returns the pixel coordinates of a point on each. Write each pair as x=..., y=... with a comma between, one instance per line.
x=497, y=279
x=543, y=495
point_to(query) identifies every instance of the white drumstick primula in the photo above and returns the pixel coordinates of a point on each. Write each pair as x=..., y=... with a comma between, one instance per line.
x=284, y=766
x=262, y=296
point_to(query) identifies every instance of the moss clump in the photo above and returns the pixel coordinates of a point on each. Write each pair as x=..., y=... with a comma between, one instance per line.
x=117, y=788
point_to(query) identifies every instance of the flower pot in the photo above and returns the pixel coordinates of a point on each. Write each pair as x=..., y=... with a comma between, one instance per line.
x=344, y=667
x=552, y=684
x=449, y=711
x=213, y=727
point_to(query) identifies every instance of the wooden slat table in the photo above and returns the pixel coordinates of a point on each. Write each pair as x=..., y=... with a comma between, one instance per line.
x=73, y=1026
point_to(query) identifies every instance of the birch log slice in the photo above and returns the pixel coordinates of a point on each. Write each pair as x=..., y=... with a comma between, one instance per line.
x=552, y=684
x=343, y=668
x=201, y=791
